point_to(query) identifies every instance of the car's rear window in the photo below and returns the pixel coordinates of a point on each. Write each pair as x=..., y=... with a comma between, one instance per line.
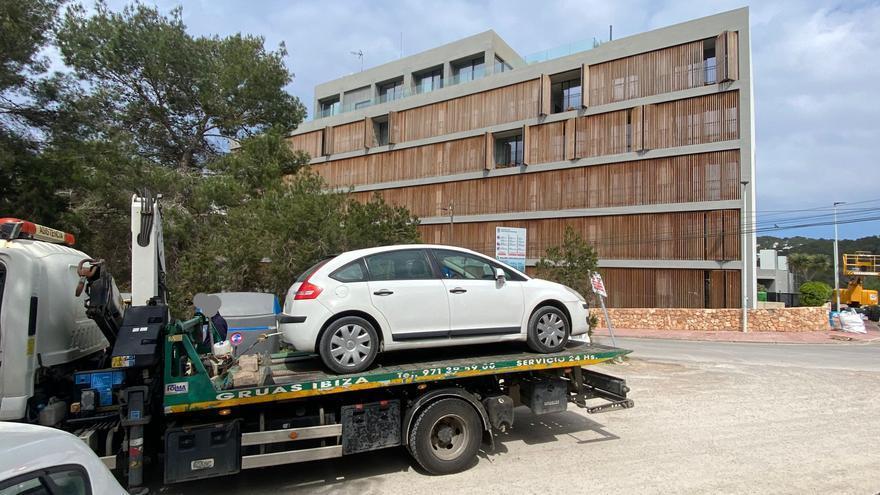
x=308, y=273
x=351, y=272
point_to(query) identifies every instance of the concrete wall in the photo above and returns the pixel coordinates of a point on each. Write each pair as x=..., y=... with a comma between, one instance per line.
x=710, y=320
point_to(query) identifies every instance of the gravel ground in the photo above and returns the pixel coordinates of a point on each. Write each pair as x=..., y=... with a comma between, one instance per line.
x=698, y=427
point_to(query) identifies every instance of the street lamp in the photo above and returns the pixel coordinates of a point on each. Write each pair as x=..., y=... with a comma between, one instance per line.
x=744, y=279
x=836, y=269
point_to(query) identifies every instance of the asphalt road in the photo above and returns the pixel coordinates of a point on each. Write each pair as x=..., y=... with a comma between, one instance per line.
x=709, y=418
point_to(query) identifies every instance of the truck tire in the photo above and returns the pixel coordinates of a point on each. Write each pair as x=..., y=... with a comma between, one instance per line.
x=548, y=330
x=446, y=436
x=349, y=345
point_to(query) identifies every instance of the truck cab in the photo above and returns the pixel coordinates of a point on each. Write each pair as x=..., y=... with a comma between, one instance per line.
x=43, y=323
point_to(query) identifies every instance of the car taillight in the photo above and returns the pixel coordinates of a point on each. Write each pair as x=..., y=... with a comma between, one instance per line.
x=307, y=290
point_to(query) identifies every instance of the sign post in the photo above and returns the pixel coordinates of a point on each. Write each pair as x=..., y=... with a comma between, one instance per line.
x=510, y=247
x=599, y=290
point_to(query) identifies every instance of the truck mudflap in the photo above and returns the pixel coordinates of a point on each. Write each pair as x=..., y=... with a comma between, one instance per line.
x=590, y=385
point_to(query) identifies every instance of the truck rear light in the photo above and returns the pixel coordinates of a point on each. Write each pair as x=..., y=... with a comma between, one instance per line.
x=307, y=290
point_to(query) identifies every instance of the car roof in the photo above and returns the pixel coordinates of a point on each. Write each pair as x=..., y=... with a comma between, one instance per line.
x=358, y=253
x=26, y=447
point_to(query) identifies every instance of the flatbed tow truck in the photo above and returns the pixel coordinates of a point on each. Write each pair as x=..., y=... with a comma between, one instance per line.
x=168, y=400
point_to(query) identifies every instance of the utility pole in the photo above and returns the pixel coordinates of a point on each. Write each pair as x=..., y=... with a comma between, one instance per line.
x=744, y=279
x=836, y=258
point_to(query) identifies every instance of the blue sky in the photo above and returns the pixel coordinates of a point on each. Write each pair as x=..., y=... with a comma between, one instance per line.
x=814, y=64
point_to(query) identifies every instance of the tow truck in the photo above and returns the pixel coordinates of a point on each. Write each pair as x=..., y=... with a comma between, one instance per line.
x=141, y=388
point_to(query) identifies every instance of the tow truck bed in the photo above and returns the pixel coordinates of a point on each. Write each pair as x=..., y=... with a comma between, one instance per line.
x=297, y=375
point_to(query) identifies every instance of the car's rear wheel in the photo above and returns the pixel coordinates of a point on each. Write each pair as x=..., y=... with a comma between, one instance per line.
x=446, y=436
x=349, y=345
x=548, y=330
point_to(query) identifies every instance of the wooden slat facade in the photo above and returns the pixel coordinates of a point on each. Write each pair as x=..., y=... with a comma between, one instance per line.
x=602, y=134
x=705, y=119
x=546, y=143
x=446, y=158
x=660, y=71
x=650, y=236
x=680, y=179
x=497, y=106
x=348, y=137
x=310, y=142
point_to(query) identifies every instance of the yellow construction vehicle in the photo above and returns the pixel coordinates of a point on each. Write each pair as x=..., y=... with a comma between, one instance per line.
x=856, y=267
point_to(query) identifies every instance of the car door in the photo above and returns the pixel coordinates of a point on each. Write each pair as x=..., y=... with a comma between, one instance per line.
x=479, y=305
x=405, y=290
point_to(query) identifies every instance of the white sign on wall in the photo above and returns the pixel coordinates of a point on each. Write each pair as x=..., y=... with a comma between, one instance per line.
x=510, y=247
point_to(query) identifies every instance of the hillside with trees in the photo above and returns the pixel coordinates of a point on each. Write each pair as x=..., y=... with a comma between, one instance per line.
x=811, y=259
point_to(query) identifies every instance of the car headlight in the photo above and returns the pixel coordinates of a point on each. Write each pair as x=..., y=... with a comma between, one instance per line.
x=575, y=293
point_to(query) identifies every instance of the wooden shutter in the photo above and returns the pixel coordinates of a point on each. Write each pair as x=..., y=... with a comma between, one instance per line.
x=489, y=162
x=545, y=95
x=369, y=133
x=585, y=85
x=527, y=145
x=649, y=126
x=393, y=128
x=570, y=138
x=637, y=128
x=727, y=56
x=328, y=140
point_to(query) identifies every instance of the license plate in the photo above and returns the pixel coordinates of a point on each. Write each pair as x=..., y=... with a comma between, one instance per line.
x=201, y=464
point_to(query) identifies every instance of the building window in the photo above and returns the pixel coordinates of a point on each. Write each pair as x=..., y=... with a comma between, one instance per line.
x=710, y=62
x=509, y=149
x=391, y=91
x=468, y=70
x=501, y=65
x=328, y=107
x=380, y=129
x=431, y=80
x=566, y=94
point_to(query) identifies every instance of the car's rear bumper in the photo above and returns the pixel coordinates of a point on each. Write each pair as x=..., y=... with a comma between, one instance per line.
x=301, y=329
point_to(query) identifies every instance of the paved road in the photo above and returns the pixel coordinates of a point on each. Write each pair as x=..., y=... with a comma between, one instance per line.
x=845, y=356
x=709, y=418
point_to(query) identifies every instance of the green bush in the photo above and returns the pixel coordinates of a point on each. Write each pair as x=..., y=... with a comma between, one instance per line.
x=815, y=293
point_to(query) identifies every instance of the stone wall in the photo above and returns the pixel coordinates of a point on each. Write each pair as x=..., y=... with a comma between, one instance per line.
x=709, y=320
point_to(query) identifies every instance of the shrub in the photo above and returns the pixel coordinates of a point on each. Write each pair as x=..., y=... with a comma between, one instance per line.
x=815, y=293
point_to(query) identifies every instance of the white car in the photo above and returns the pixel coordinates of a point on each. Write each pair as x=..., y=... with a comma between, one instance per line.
x=351, y=307
x=40, y=460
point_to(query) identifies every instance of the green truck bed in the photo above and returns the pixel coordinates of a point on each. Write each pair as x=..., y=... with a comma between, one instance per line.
x=298, y=376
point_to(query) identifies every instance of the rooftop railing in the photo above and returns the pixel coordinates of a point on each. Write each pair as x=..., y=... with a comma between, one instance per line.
x=562, y=51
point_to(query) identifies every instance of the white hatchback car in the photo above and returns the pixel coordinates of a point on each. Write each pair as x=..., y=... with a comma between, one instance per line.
x=350, y=307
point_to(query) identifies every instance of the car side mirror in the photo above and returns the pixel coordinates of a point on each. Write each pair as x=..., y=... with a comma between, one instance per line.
x=500, y=276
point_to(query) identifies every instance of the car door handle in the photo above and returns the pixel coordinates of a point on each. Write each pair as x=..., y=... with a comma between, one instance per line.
x=383, y=292
x=458, y=290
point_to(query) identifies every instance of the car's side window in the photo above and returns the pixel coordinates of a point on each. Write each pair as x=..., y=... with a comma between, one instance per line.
x=68, y=479
x=350, y=272
x=29, y=486
x=459, y=265
x=407, y=264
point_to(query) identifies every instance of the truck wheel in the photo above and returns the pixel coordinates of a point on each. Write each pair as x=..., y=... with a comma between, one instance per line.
x=445, y=436
x=349, y=345
x=548, y=330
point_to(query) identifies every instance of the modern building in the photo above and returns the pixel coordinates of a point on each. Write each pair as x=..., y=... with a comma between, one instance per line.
x=643, y=144
x=772, y=272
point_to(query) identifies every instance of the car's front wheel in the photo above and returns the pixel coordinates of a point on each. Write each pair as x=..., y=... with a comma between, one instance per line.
x=349, y=345
x=548, y=330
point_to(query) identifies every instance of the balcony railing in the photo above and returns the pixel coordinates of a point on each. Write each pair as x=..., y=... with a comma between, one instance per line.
x=404, y=93
x=562, y=51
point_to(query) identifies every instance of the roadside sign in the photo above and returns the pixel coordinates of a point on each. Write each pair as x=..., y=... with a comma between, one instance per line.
x=235, y=338
x=598, y=284
x=510, y=247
